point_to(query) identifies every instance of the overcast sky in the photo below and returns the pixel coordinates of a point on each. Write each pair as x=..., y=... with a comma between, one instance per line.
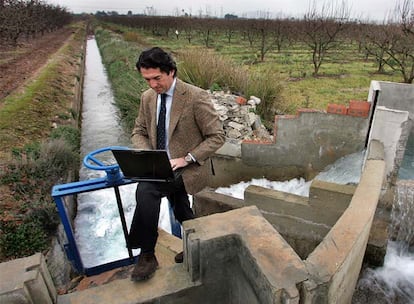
x=362, y=9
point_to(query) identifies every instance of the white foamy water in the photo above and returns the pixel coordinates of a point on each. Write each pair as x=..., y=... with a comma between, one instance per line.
x=294, y=186
x=346, y=170
x=394, y=281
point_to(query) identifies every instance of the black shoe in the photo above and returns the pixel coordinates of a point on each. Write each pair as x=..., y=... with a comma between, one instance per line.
x=179, y=257
x=145, y=267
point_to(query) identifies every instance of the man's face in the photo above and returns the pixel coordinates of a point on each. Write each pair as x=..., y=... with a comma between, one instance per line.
x=159, y=81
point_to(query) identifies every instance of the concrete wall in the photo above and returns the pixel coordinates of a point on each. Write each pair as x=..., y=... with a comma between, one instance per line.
x=392, y=95
x=392, y=128
x=232, y=170
x=268, y=265
x=334, y=265
x=311, y=140
x=302, y=146
x=26, y=281
x=395, y=117
x=298, y=219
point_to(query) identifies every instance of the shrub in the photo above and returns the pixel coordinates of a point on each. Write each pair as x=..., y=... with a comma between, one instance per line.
x=205, y=69
x=22, y=239
x=69, y=134
x=30, y=177
x=119, y=59
x=133, y=37
x=210, y=71
x=266, y=85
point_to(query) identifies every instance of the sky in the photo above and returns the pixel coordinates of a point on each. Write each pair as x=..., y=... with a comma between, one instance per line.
x=362, y=9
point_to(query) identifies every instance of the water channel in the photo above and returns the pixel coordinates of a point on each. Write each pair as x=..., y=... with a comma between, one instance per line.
x=98, y=229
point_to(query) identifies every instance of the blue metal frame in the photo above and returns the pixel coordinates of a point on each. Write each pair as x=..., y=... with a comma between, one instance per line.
x=114, y=179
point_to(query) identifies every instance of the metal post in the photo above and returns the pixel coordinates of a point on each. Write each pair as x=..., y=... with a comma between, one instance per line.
x=175, y=225
x=122, y=216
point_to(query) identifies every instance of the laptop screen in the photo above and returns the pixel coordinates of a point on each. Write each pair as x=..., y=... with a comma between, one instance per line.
x=144, y=165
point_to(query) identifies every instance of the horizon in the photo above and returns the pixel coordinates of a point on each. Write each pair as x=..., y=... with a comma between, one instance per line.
x=377, y=10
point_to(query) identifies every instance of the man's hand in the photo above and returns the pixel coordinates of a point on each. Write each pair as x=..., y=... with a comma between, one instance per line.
x=178, y=163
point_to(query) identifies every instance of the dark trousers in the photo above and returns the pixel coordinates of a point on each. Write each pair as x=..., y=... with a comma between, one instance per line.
x=144, y=228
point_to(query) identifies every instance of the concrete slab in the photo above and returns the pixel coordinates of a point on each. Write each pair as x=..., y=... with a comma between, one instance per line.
x=26, y=280
x=267, y=264
x=105, y=287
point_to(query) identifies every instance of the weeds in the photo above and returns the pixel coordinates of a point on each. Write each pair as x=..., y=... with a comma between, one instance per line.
x=226, y=75
x=119, y=58
x=22, y=239
x=30, y=177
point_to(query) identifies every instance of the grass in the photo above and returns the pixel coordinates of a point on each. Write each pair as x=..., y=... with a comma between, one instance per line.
x=119, y=57
x=23, y=113
x=28, y=116
x=30, y=176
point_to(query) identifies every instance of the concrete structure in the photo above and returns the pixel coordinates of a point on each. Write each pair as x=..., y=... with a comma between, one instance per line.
x=26, y=281
x=271, y=247
x=239, y=257
x=320, y=138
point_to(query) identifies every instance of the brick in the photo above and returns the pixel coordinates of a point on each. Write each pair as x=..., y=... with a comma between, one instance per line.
x=359, y=105
x=337, y=109
x=241, y=100
x=358, y=112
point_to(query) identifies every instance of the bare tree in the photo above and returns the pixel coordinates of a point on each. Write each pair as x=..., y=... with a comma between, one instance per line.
x=375, y=42
x=20, y=17
x=392, y=43
x=401, y=50
x=264, y=32
x=206, y=28
x=322, y=28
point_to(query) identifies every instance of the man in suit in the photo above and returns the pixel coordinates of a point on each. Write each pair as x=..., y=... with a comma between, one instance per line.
x=179, y=118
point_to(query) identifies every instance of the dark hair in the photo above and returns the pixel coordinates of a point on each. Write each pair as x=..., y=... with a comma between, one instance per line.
x=156, y=58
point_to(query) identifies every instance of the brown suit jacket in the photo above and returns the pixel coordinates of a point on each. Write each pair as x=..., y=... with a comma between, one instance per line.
x=194, y=128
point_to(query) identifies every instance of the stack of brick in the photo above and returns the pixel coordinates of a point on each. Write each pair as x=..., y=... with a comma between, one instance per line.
x=356, y=108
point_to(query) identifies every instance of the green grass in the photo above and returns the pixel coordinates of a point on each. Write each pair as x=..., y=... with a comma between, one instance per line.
x=35, y=169
x=119, y=58
x=26, y=116
x=21, y=118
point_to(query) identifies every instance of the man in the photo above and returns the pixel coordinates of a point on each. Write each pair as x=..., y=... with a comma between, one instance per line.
x=180, y=118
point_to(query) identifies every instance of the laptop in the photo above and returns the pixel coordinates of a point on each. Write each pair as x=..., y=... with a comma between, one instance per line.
x=145, y=165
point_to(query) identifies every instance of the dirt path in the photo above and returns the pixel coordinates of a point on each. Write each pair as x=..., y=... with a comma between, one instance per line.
x=19, y=64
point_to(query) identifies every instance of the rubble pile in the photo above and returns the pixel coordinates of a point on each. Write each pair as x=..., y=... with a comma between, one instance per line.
x=239, y=118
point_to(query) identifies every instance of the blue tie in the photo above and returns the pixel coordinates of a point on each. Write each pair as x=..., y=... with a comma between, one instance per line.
x=161, y=124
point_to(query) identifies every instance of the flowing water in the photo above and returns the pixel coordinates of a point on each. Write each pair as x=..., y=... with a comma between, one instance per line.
x=98, y=228
x=394, y=281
